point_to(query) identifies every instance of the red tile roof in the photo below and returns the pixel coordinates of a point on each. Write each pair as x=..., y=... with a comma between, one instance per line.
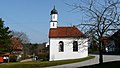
x=16, y=44
x=8, y=54
x=65, y=32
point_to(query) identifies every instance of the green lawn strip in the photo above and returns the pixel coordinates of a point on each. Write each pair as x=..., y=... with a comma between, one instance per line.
x=42, y=64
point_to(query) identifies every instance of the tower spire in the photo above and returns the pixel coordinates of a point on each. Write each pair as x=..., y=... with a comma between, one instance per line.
x=54, y=6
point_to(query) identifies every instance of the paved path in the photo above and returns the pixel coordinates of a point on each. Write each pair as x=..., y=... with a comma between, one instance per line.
x=26, y=60
x=107, y=58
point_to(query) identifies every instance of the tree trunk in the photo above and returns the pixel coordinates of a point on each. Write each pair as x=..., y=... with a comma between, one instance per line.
x=100, y=53
x=100, y=57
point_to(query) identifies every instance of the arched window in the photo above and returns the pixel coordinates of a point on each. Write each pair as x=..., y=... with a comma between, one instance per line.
x=61, y=46
x=75, y=46
x=53, y=24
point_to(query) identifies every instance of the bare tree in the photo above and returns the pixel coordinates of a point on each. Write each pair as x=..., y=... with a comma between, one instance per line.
x=22, y=36
x=102, y=18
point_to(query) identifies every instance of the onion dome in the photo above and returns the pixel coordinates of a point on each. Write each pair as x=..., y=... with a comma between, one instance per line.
x=54, y=11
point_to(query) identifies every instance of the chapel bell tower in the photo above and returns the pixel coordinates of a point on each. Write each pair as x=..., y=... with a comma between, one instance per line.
x=54, y=15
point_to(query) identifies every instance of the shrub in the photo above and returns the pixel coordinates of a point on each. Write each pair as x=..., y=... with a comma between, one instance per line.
x=13, y=58
x=43, y=56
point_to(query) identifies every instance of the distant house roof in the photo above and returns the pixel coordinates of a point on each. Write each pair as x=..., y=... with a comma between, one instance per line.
x=16, y=44
x=7, y=54
x=106, y=40
x=65, y=32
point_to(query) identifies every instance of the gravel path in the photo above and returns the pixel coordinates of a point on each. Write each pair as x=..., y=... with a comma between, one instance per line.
x=107, y=58
x=26, y=60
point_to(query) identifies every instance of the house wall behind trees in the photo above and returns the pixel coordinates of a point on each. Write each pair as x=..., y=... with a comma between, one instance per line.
x=68, y=49
x=116, y=38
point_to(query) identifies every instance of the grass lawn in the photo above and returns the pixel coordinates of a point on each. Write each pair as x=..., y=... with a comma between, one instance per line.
x=42, y=64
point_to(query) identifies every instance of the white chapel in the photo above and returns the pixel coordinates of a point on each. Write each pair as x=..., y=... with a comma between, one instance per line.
x=65, y=42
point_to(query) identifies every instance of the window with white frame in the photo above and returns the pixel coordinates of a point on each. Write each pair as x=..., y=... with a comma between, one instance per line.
x=61, y=46
x=75, y=46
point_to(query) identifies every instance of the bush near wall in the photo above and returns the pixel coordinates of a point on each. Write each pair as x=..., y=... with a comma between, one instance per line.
x=43, y=56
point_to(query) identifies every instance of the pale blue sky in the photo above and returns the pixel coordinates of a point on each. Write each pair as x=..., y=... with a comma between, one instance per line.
x=33, y=16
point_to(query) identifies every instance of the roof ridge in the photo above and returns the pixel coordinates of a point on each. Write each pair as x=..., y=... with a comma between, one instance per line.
x=66, y=26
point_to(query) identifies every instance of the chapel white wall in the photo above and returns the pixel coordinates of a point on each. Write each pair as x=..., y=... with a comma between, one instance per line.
x=68, y=49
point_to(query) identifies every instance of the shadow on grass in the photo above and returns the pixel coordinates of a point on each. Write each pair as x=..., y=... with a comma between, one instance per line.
x=113, y=64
